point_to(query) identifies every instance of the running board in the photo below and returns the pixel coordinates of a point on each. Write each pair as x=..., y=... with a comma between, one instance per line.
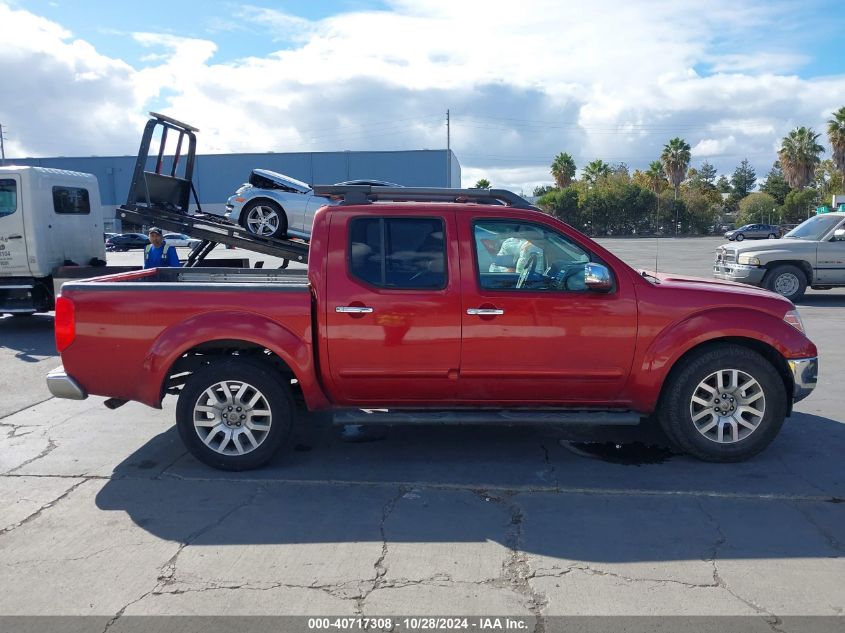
x=492, y=417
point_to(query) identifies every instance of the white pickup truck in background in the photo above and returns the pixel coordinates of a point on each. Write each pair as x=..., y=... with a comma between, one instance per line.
x=50, y=220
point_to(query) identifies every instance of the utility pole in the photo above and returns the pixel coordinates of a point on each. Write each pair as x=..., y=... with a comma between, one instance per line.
x=448, y=150
x=2, y=147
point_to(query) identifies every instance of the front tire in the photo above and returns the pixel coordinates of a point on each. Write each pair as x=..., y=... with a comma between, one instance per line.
x=234, y=414
x=725, y=404
x=264, y=218
x=739, y=237
x=786, y=280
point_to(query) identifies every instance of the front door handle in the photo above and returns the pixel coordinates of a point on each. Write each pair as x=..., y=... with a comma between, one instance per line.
x=353, y=309
x=16, y=237
x=484, y=311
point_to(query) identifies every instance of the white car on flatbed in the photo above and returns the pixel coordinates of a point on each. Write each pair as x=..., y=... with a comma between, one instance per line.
x=275, y=205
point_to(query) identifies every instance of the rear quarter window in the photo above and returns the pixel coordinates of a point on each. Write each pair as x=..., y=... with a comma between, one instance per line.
x=71, y=200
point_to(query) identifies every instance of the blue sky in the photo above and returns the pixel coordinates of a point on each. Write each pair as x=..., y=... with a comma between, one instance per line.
x=608, y=79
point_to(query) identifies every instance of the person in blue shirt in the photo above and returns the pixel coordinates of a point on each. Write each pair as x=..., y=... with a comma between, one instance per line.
x=158, y=254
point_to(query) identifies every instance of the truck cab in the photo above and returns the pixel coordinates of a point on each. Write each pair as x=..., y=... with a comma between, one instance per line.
x=48, y=218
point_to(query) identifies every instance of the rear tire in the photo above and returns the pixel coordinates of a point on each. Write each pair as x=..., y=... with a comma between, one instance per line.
x=772, y=236
x=234, y=414
x=725, y=404
x=786, y=280
x=264, y=218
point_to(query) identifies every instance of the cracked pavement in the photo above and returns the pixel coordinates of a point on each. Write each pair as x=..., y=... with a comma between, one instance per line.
x=102, y=513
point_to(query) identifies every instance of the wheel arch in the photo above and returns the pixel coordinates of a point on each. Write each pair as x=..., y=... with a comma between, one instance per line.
x=800, y=264
x=181, y=349
x=768, y=352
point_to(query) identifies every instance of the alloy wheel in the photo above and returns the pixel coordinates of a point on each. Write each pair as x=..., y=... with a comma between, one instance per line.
x=232, y=417
x=727, y=406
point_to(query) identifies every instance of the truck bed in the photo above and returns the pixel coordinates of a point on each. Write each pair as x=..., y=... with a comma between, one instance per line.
x=130, y=328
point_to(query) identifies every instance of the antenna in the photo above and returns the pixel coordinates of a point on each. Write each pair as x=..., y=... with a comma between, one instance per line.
x=2, y=146
x=448, y=150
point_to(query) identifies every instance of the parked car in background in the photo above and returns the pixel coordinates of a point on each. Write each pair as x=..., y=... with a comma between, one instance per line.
x=754, y=232
x=108, y=236
x=275, y=205
x=180, y=239
x=127, y=241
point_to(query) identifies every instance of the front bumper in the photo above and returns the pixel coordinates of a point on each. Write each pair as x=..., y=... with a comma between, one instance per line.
x=739, y=272
x=63, y=386
x=805, y=372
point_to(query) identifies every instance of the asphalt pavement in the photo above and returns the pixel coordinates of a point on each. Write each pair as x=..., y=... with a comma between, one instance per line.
x=103, y=513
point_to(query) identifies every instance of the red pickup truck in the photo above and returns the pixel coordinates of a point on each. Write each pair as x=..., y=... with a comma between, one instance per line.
x=476, y=309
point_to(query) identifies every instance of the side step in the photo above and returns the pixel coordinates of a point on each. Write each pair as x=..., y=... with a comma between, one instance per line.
x=493, y=417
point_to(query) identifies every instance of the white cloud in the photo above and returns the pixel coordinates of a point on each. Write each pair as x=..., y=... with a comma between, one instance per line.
x=607, y=79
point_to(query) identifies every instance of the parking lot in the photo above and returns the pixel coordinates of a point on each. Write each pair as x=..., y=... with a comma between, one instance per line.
x=103, y=513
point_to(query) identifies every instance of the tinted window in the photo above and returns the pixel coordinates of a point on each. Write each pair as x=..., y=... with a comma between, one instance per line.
x=407, y=253
x=71, y=200
x=8, y=197
x=518, y=256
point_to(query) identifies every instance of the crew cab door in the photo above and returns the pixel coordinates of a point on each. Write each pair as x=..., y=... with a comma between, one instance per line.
x=830, y=259
x=532, y=331
x=13, y=258
x=393, y=323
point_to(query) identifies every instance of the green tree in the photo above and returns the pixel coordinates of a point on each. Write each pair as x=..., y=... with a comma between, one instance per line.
x=707, y=173
x=656, y=177
x=723, y=184
x=798, y=205
x=757, y=207
x=775, y=184
x=743, y=180
x=595, y=170
x=563, y=170
x=561, y=203
x=542, y=190
x=836, y=136
x=483, y=183
x=828, y=180
x=675, y=159
x=799, y=156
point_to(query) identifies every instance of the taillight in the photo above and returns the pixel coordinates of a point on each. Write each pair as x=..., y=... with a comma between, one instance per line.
x=65, y=323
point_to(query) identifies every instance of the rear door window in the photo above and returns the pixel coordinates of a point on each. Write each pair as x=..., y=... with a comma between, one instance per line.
x=8, y=197
x=399, y=253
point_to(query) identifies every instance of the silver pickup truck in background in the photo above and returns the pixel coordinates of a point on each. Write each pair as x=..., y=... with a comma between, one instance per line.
x=812, y=254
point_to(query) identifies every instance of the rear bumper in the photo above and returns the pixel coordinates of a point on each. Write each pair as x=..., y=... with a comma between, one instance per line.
x=805, y=373
x=63, y=386
x=739, y=272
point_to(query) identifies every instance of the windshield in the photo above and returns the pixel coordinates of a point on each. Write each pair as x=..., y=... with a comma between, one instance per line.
x=814, y=228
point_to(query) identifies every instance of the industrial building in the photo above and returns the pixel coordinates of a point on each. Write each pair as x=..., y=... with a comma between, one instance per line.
x=216, y=176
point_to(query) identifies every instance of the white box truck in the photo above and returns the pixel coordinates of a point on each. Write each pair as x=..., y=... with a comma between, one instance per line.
x=50, y=222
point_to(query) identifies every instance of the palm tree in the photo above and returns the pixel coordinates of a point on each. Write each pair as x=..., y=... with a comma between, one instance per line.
x=836, y=135
x=675, y=160
x=595, y=170
x=799, y=156
x=656, y=177
x=483, y=184
x=563, y=170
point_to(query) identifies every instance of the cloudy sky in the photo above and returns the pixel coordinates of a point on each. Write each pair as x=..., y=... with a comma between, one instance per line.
x=524, y=80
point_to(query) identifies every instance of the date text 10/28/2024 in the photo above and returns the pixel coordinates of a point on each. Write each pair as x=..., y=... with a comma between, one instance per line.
x=419, y=624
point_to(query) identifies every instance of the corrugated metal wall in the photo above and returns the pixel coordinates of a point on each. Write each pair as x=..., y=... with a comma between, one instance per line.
x=218, y=175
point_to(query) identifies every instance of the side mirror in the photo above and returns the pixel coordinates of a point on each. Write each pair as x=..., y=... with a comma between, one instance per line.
x=839, y=235
x=597, y=277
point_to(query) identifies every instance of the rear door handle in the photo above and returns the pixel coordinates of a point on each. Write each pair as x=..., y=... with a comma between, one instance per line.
x=484, y=311
x=353, y=309
x=16, y=237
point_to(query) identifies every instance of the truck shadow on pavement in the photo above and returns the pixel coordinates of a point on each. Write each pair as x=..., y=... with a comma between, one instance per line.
x=30, y=337
x=523, y=488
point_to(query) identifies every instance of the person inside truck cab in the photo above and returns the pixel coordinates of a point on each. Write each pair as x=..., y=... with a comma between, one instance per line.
x=158, y=253
x=514, y=255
